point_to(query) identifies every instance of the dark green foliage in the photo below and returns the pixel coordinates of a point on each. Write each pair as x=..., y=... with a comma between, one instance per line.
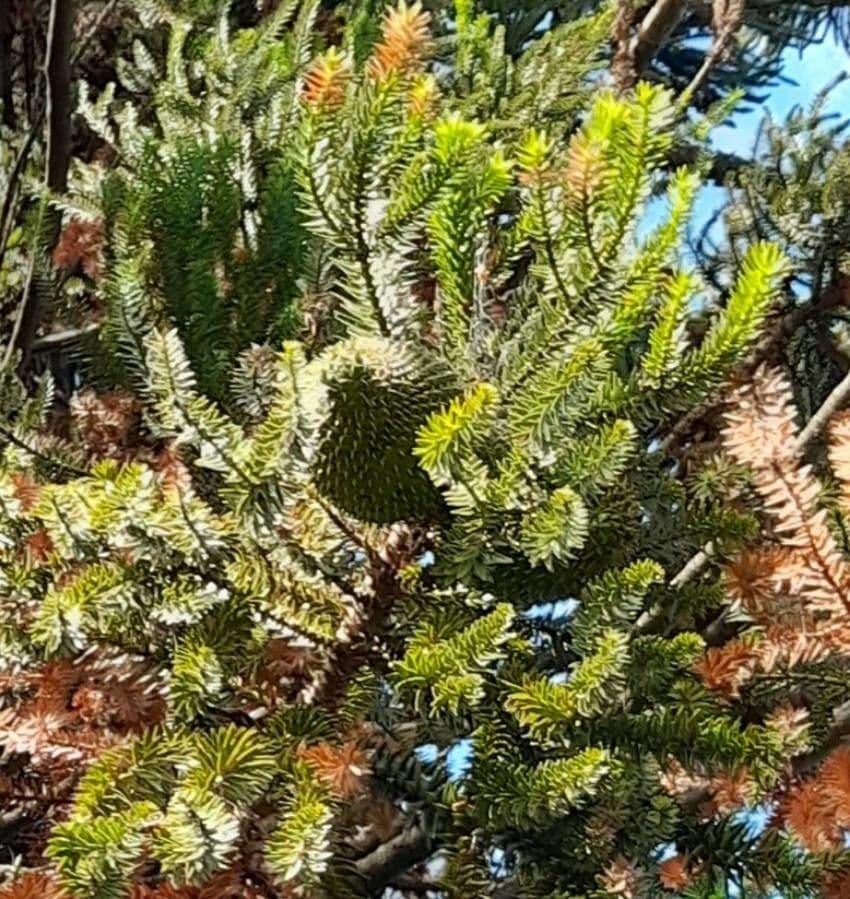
x=378, y=398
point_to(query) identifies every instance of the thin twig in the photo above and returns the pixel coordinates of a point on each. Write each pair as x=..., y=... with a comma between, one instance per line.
x=830, y=406
x=18, y=324
x=701, y=75
x=29, y=797
x=58, y=111
x=92, y=31
x=345, y=528
x=13, y=438
x=6, y=216
x=726, y=23
x=694, y=566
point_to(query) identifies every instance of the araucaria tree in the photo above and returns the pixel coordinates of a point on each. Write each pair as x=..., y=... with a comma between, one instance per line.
x=354, y=551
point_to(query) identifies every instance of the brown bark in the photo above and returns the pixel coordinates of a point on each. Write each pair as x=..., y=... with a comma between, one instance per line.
x=657, y=25
x=58, y=110
x=59, y=103
x=392, y=859
x=6, y=34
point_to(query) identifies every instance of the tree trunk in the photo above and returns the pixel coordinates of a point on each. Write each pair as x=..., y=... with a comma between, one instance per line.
x=6, y=34
x=58, y=113
x=59, y=93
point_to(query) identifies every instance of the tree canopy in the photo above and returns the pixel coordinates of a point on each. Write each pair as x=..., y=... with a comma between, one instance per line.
x=400, y=494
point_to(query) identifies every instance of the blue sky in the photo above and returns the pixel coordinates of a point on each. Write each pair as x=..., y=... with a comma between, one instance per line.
x=806, y=74
x=812, y=70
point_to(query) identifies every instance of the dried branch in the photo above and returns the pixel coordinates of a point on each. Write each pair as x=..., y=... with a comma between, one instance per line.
x=727, y=16
x=11, y=437
x=58, y=339
x=61, y=142
x=623, y=64
x=420, y=886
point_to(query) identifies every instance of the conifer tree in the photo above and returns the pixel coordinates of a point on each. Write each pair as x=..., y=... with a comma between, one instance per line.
x=356, y=563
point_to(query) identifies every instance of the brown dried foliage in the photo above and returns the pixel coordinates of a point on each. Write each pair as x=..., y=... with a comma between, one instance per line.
x=80, y=248
x=25, y=490
x=620, y=878
x=679, y=781
x=839, y=453
x=231, y=884
x=761, y=433
x=763, y=579
x=789, y=722
x=72, y=711
x=326, y=81
x=808, y=814
x=817, y=810
x=405, y=42
x=33, y=886
x=730, y=792
x=38, y=547
x=725, y=669
x=837, y=886
x=343, y=769
x=106, y=422
x=796, y=587
x=675, y=874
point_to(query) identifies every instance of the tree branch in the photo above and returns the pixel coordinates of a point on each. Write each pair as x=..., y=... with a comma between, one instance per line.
x=656, y=27
x=839, y=729
x=418, y=885
x=508, y=889
x=58, y=108
x=59, y=105
x=57, y=339
x=830, y=406
x=393, y=858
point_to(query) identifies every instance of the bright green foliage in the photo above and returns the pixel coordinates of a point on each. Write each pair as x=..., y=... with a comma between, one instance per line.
x=238, y=764
x=556, y=530
x=298, y=850
x=453, y=668
x=96, y=856
x=197, y=836
x=613, y=600
x=405, y=359
x=447, y=440
x=546, y=709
